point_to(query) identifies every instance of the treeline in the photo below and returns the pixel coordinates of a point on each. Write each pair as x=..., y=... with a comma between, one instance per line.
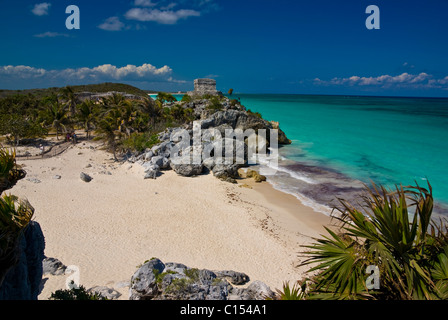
x=124, y=124
x=97, y=88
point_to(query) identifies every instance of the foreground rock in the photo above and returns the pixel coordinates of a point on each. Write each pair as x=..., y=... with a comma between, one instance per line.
x=53, y=266
x=22, y=281
x=187, y=170
x=85, y=177
x=105, y=292
x=155, y=280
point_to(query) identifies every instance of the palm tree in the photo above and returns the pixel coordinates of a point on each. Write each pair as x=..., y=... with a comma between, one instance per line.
x=152, y=109
x=116, y=100
x=108, y=130
x=55, y=114
x=71, y=100
x=86, y=115
x=10, y=173
x=408, y=248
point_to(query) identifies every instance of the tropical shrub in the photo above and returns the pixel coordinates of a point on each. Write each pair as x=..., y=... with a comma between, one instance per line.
x=296, y=292
x=140, y=141
x=408, y=247
x=15, y=214
x=76, y=294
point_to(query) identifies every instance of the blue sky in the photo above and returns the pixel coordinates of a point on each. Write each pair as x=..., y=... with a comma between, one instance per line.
x=263, y=46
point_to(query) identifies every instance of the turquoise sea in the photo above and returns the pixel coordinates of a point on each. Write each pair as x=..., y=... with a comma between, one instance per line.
x=340, y=143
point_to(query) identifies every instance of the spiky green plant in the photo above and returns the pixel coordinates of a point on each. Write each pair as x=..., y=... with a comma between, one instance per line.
x=296, y=292
x=410, y=250
x=10, y=173
x=15, y=214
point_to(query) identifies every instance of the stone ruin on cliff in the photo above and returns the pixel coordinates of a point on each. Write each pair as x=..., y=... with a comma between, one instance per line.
x=203, y=87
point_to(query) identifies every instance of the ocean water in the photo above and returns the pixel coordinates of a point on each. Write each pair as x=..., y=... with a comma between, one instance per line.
x=340, y=143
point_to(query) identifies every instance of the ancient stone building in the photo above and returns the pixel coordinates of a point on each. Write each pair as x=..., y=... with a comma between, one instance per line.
x=204, y=86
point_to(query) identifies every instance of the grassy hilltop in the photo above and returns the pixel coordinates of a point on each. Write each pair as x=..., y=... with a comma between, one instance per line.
x=101, y=87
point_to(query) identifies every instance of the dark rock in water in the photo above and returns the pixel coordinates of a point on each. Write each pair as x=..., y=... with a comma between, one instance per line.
x=85, y=177
x=53, y=266
x=22, y=281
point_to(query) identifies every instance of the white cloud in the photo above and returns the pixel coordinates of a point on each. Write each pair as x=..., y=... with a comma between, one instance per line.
x=404, y=80
x=41, y=9
x=144, y=3
x=112, y=24
x=160, y=16
x=169, y=6
x=22, y=72
x=105, y=72
x=50, y=34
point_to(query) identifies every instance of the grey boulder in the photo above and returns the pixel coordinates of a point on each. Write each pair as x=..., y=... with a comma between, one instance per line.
x=85, y=177
x=187, y=170
x=144, y=281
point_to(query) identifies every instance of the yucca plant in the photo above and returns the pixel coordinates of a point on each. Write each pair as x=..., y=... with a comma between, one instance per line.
x=409, y=249
x=297, y=292
x=10, y=173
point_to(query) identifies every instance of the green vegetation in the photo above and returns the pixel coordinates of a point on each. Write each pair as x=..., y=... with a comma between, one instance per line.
x=15, y=214
x=296, y=292
x=125, y=125
x=97, y=88
x=192, y=273
x=76, y=294
x=178, y=285
x=17, y=127
x=187, y=98
x=159, y=276
x=215, y=102
x=140, y=141
x=165, y=97
x=409, y=249
x=255, y=114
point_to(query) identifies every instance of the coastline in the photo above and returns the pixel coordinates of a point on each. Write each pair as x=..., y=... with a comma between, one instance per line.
x=109, y=226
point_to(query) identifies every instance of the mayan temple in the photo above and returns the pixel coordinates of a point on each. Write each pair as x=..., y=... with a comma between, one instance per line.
x=204, y=86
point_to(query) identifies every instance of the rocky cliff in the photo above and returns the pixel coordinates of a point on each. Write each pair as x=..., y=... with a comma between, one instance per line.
x=22, y=281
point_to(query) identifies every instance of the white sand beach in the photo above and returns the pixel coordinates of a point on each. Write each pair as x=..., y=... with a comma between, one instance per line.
x=109, y=226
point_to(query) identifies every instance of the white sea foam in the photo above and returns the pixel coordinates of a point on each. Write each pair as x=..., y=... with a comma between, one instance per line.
x=304, y=200
x=270, y=168
x=266, y=167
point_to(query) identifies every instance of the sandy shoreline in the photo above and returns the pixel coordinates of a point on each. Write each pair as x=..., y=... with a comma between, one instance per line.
x=111, y=225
